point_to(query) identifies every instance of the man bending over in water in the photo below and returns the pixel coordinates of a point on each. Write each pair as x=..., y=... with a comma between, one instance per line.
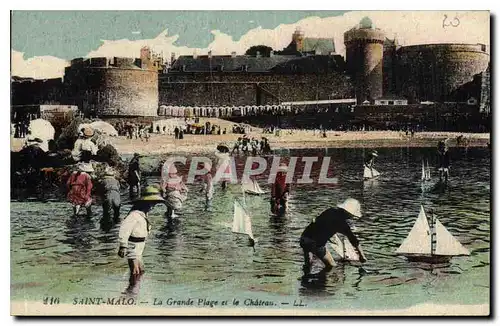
x=317, y=233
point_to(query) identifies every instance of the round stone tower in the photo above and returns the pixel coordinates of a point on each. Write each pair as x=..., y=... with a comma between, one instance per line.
x=364, y=56
x=298, y=38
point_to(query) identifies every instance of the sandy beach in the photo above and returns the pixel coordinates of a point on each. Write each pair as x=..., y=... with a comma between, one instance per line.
x=163, y=144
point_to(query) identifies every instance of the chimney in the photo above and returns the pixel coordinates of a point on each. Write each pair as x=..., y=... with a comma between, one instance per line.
x=210, y=54
x=195, y=56
x=172, y=57
x=257, y=54
x=233, y=54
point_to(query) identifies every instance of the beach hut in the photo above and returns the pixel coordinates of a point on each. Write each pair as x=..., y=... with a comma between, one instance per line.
x=235, y=111
x=162, y=110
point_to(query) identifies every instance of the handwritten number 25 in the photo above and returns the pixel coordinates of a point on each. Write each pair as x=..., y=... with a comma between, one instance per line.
x=454, y=22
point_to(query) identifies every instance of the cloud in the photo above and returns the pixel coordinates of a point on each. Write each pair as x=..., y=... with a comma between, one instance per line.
x=37, y=67
x=410, y=27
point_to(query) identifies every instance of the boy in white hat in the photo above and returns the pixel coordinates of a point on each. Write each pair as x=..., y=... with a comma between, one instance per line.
x=134, y=231
x=326, y=225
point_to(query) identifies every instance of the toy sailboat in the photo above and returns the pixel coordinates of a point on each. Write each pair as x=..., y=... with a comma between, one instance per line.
x=426, y=172
x=344, y=249
x=370, y=173
x=430, y=244
x=242, y=222
x=252, y=187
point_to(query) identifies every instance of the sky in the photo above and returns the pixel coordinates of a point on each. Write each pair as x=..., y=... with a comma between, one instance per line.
x=43, y=42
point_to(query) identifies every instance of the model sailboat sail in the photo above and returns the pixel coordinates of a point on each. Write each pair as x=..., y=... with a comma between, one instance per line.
x=242, y=222
x=252, y=187
x=344, y=248
x=418, y=240
x=446, y=244
x=370, y=173
x=426, y=172
x=418, y=245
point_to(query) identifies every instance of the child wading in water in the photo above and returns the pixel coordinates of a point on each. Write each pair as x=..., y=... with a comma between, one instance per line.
x=134, y=231
x=208, y=186
x=280, y=192
x=80, y=188
x=173, y=190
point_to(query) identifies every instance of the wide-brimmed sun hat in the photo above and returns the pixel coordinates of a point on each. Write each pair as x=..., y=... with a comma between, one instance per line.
x=352, y=206
x=86, y=167
x=151, y=194
x=109, y=172
x=88, y=132
x=172, y=169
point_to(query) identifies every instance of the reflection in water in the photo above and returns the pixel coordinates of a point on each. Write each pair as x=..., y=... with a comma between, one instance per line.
x=77, y=233
x=200, y=254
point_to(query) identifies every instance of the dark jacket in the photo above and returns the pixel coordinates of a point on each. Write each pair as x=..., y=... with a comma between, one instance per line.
x=133, y=166
x=331, y=221
x=444, y=159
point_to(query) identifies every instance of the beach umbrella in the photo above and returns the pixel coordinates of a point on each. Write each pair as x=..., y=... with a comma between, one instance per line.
x=104, y=128
x=42, y=129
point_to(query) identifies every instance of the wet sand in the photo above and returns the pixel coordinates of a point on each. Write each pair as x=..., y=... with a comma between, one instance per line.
x=163, y=144
x=428, y=309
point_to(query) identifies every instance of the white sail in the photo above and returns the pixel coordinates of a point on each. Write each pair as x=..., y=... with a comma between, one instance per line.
x=367, y=174
x=446, y=244
x=337, y=245
x=257, y=188
x=428, y=171
x=424, y=172
x=344, y=248
x=241, y=221
x=251, y=186
x=419, y=239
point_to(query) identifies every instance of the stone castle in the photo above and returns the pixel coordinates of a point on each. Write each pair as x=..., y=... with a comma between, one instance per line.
x=375, y=71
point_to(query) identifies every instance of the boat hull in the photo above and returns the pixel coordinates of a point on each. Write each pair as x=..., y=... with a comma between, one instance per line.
x=434, y=259
x=254, y=193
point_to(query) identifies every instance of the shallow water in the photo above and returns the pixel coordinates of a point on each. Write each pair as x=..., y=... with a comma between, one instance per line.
x=53, y=254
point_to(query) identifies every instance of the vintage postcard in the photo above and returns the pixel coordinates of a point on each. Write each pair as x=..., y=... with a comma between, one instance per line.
x=250, y=163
